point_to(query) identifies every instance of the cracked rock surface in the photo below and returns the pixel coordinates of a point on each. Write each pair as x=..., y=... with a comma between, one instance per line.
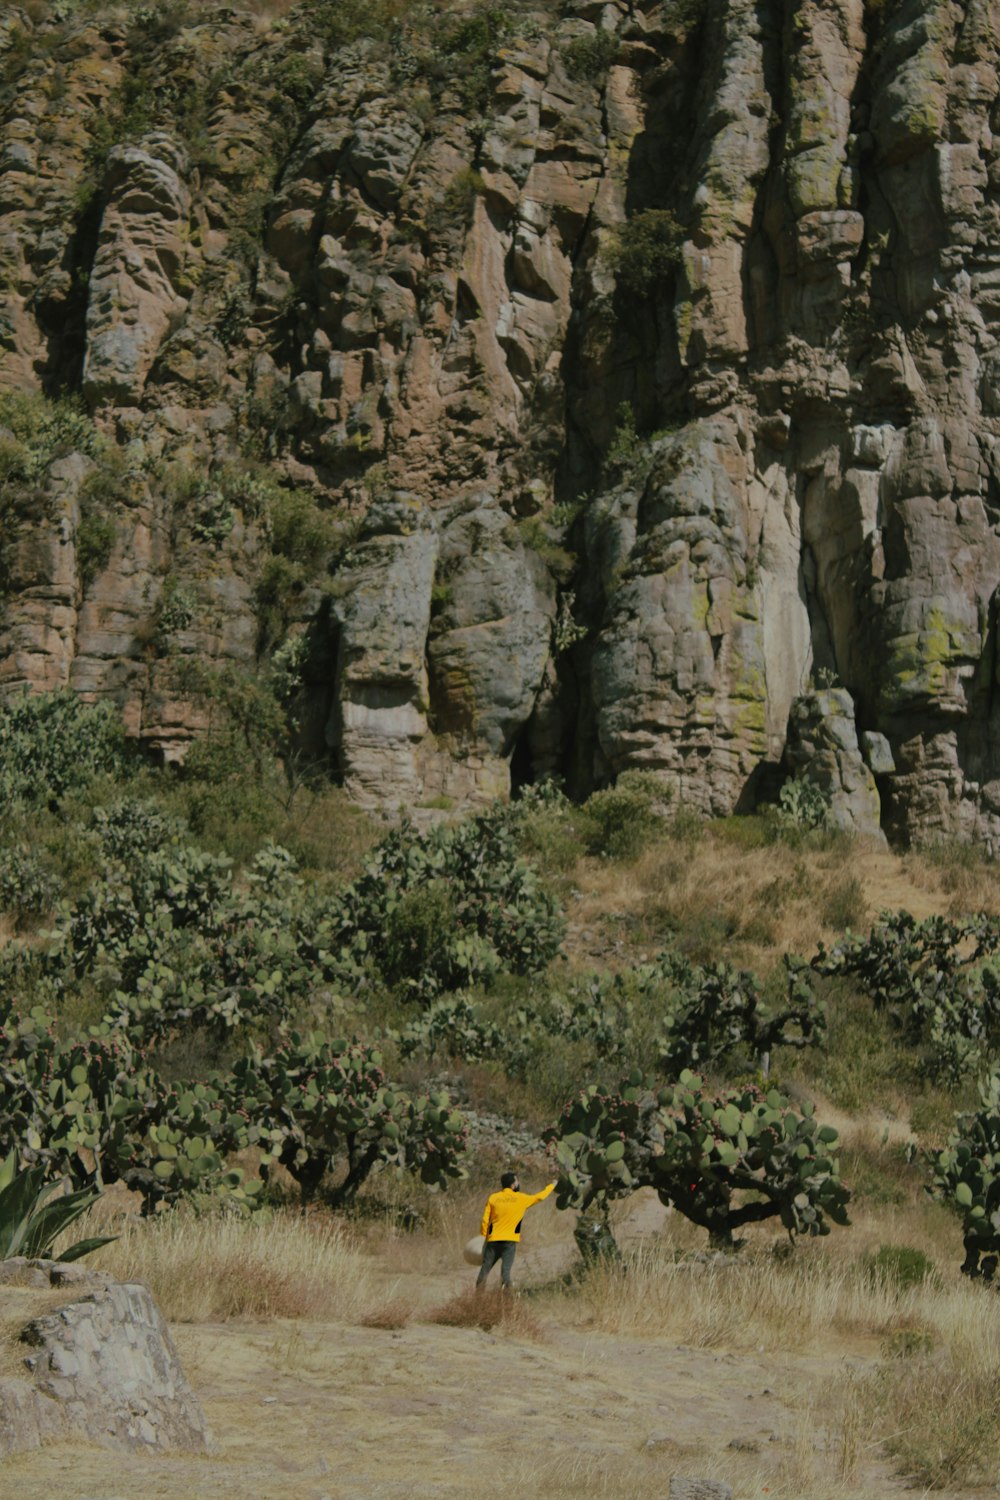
x=603, y=512
x=97, y=1363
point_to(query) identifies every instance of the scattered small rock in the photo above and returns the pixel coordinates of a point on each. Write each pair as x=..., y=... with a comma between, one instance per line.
x=659, y=1442
x=745, y=1445
x=698, y=1489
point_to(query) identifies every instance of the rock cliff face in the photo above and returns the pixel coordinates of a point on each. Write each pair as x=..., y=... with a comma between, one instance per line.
x=647, y=355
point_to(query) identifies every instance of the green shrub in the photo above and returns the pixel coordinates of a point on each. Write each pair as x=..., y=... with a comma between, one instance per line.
x=53, y=745
x=459, y=198
x=300, y=530
x=933, y=981
x=43, y=431
x=95, y=541
x=27, y=890
x=501, y=915
x=899, y=1267
x=646, y=250
x=551, y=830
x=623, y=818
x=176, y=610
x=537, y=535
x=626, y=445
x=590, y=56
x=418, y=931
x=803, y=806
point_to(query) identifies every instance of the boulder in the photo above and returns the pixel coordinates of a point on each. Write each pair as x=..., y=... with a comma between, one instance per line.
x=99, y=1365
x=823, y=745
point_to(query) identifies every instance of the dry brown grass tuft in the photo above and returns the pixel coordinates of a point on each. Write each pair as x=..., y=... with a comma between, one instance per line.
x=390, y=1315
x=487, y=1309
x=964, y=875
x=220, y=1267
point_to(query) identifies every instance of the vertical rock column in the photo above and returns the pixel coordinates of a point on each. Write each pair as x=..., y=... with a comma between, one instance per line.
x=133, y=285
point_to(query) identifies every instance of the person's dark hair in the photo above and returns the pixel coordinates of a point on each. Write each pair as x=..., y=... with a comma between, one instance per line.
x=508, y=1179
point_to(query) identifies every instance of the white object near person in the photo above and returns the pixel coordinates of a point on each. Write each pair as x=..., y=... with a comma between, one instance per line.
x=473, y=1252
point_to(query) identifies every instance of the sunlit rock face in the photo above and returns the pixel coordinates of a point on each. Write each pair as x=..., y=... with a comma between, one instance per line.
x=647, y=356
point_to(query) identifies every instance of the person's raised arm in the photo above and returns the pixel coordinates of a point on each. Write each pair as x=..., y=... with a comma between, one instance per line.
x=537, y=1197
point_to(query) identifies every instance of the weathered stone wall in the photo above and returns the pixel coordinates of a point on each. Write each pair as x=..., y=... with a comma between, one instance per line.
x=423, y=318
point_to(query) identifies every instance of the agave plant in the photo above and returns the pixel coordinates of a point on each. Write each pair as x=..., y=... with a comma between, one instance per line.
x=32, y=1218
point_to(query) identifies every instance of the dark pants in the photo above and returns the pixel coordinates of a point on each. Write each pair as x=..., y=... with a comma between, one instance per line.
x=502, y=1251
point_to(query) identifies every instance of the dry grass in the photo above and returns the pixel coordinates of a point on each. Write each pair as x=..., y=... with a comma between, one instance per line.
x=725, y=893
x=935, y=1407
x=800, y=1469
x=938, y=1414
x=487, y=1309
x=927, y=1399
x=962, y=874
x=218, y=1267
x=758, y=1303
x=391, y=1315
x=712, y=895
x=767, y=1298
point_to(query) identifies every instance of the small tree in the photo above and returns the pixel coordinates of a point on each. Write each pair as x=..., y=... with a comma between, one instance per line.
x=931, y=979
x=646, y=250
x=722, y=1160
x=723, y=1009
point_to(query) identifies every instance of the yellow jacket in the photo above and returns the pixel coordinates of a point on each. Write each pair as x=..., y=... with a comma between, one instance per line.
x=504, y=1211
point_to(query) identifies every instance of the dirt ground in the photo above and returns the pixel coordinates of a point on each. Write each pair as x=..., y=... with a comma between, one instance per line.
x=321, y=1411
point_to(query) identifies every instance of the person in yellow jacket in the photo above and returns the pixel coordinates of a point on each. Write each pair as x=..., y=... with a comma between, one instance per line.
x=501, y=1226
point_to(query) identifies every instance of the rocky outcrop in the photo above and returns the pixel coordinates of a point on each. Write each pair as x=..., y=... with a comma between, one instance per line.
x=647, y=357
x=100, y=1365
x=823, y=748
x=133, y=295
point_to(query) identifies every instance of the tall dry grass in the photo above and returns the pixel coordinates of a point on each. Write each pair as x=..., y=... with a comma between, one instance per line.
x=216, y=1267
x=761, y=1303
x=730, y=888
x=714, y=894
x=937, y=1410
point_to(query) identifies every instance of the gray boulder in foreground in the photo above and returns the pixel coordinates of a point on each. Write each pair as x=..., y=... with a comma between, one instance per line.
x=100, y=1365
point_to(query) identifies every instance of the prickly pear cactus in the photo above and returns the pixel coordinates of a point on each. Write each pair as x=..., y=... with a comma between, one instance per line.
x=722, y=1160
x=935, y=981
x=318, y=1106
x=966, y=1177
